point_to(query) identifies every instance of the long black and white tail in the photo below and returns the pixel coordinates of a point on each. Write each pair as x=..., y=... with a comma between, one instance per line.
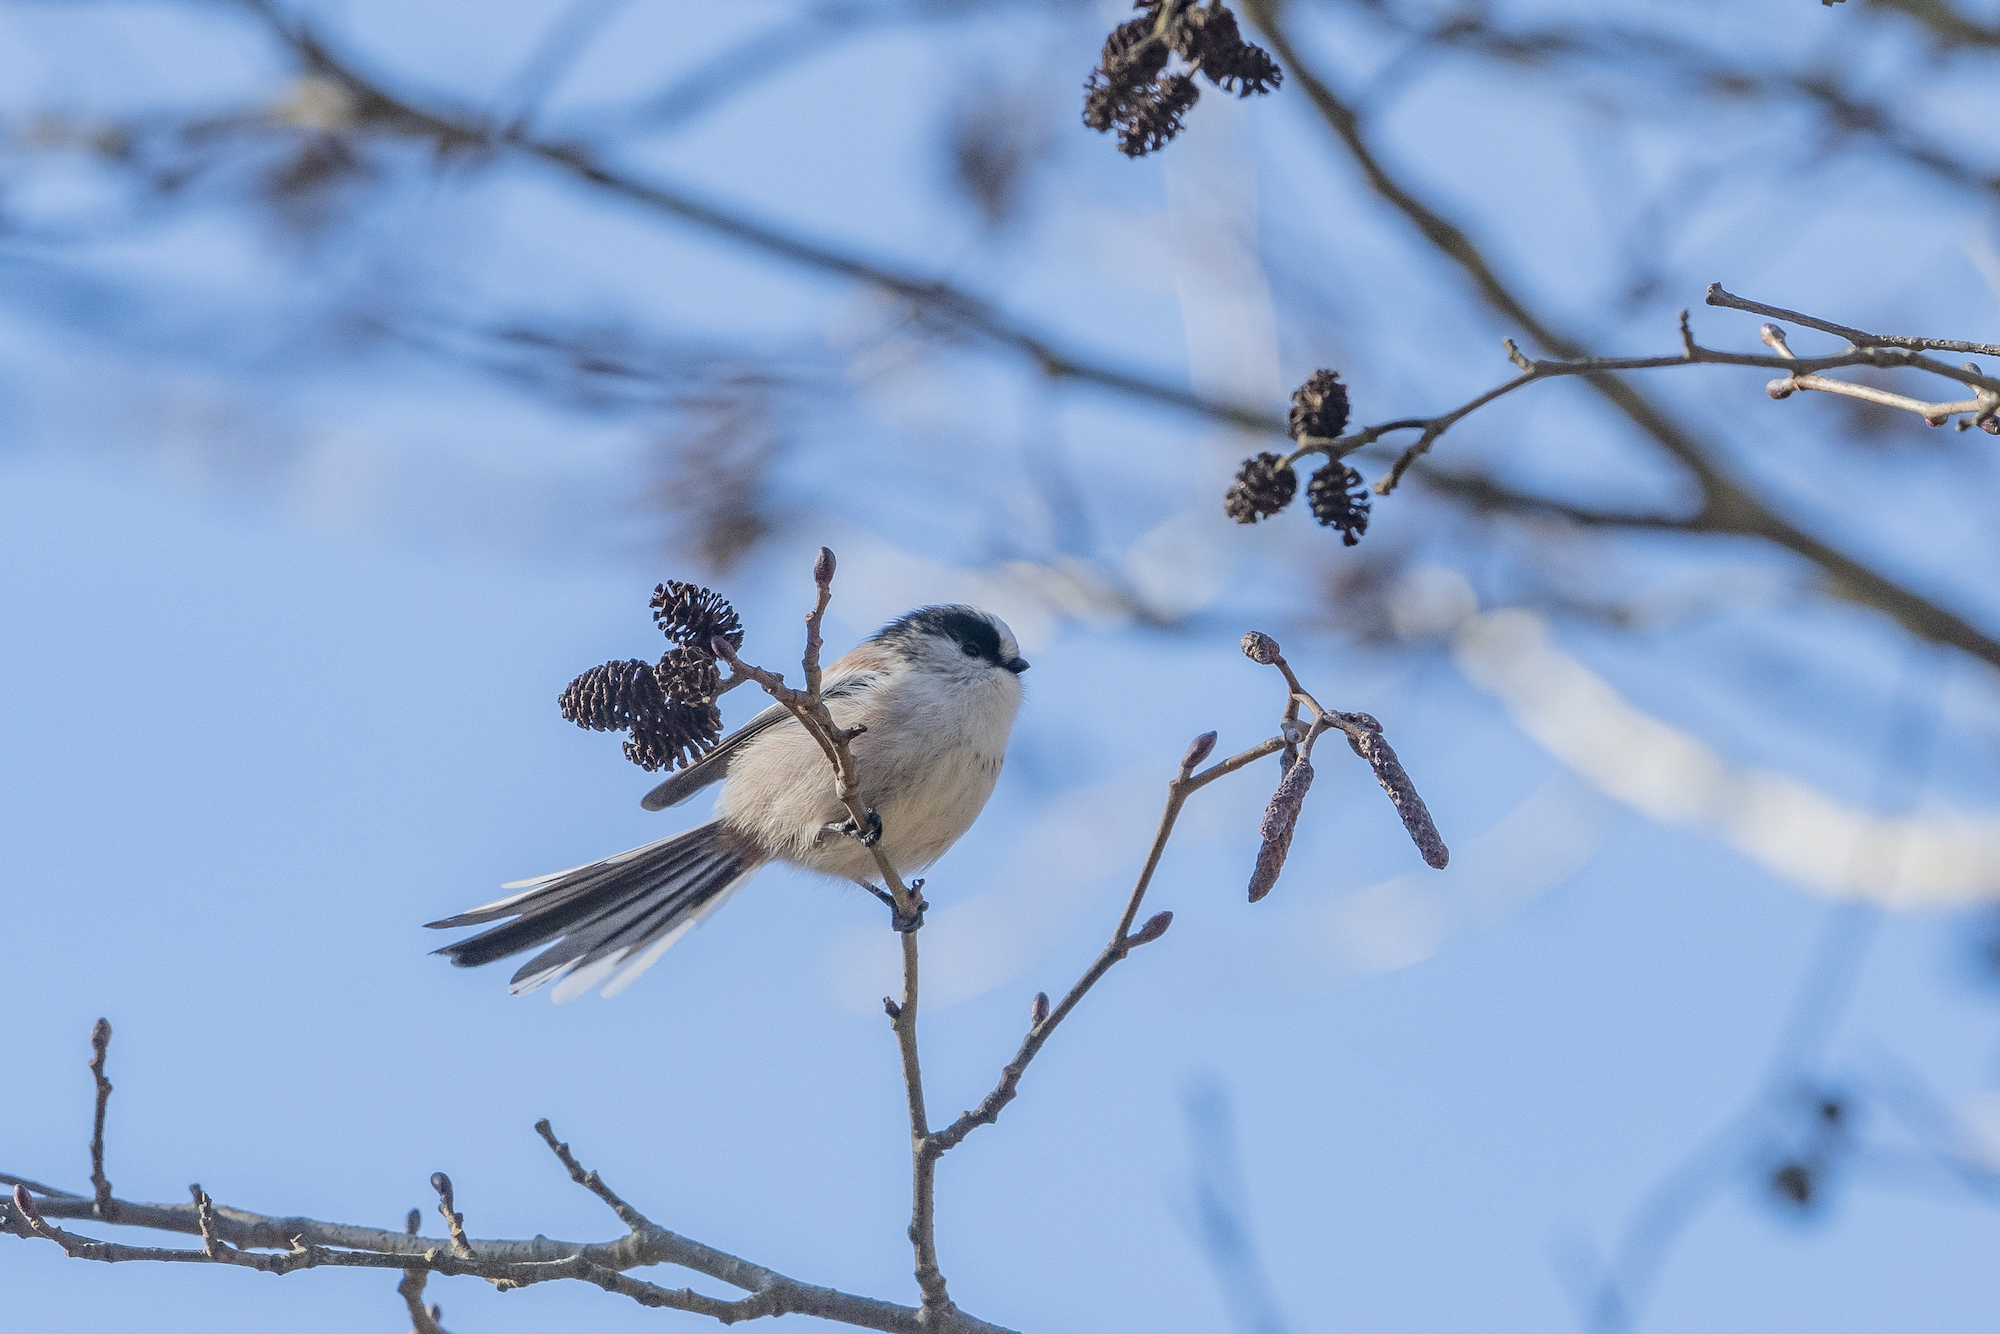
x=612, y=919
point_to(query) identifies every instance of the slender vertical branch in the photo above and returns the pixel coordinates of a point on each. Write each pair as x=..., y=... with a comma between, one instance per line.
x=104, y=1206
x=835, y=742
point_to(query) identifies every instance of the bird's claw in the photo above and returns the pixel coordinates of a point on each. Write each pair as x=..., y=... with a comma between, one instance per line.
x=868, y=836
x=905, y=922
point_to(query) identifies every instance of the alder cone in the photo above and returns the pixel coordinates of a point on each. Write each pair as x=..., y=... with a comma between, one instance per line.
x=1339, y=500
x=688, y=614
x=1264, y=485
x=1319, y=407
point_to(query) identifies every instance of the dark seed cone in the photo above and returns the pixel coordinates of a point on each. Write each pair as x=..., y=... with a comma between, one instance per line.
x=1339, y=500
x=1281, y=817
x=614, y=697
x=1209, y=40
x=682, y=733
x=688, y=674
x=1129, y=64
x=1156, y=119
x=1264, y=485
x=687, y=614
x=1319, y=407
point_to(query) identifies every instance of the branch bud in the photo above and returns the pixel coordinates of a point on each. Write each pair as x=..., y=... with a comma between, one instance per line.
x=823, y=567
x=1774, y=338
x=1779, y=389
x=722, y=649
x=1260, y=648
x=24, y=1205
x=414, y=1223
x=1155, y=927
x=890, y=1008
x=1039, y=1011
x=442, y=1185
x=100, y=1036
x=1197, y=751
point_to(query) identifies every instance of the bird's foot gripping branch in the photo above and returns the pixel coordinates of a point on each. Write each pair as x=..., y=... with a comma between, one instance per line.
x=281, y=1245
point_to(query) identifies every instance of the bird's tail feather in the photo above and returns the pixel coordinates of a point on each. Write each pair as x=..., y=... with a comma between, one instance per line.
x=609, y=920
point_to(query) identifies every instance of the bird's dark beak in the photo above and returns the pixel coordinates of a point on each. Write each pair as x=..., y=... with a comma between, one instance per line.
x=1016, y=665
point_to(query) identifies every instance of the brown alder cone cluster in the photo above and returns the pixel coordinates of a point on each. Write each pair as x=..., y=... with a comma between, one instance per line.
x=1130, y=90
x=669, y=706
x=1267, y=483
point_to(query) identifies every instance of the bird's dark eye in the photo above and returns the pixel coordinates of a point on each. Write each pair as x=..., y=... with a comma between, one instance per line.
x=971, y=650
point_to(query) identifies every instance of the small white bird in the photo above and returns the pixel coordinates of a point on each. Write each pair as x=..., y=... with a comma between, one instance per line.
x=937, y=692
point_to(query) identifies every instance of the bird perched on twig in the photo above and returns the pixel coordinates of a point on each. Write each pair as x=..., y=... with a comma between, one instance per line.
x=936, y=691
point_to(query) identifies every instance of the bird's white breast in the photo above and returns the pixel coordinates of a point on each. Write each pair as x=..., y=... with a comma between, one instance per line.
x=926, y=765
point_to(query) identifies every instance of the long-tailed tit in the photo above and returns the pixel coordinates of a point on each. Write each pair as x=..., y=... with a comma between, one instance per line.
x=937, y=692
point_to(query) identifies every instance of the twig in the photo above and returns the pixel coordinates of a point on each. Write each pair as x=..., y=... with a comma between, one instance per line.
x=453, y=1219
x=422, y=1320
x=590, y=1181
x=1717, y=296
x=308, y=1244
x=1044, y=1020
x=243, y=1239
x=1984, y=407
x=100, y=1046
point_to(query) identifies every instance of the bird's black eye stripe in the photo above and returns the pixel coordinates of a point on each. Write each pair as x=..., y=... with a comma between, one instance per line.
x=964, y=626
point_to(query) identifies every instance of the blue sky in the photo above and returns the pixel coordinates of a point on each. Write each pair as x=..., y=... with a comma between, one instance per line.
x=284, y=632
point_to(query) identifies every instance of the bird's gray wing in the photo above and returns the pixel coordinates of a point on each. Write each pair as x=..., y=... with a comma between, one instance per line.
x=712, y=767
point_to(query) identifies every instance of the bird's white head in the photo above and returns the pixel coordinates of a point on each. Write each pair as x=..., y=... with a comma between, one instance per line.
x=956, y=640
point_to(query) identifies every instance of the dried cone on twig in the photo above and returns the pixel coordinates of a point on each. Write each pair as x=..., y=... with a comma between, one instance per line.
x=1264, y=485
x=613, y=697
x=1319, y=407
x=684, y=732
x=1337, y=499
x=688, y=614
x=669, y=709
x=688, y=674
x=1131, y=92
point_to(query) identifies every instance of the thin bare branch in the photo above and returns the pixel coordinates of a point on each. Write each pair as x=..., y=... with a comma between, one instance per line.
x=590, y=1181
x=100, y=1184
x=1717, y=296
x=1983, y=409
x=304, y=1243
x=459, y=132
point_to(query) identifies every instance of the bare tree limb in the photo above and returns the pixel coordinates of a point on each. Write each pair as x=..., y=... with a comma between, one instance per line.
x=1983, y=409
x=1717, y=296
x=238, y=1237
x=457, y=133
x=1727, y=506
